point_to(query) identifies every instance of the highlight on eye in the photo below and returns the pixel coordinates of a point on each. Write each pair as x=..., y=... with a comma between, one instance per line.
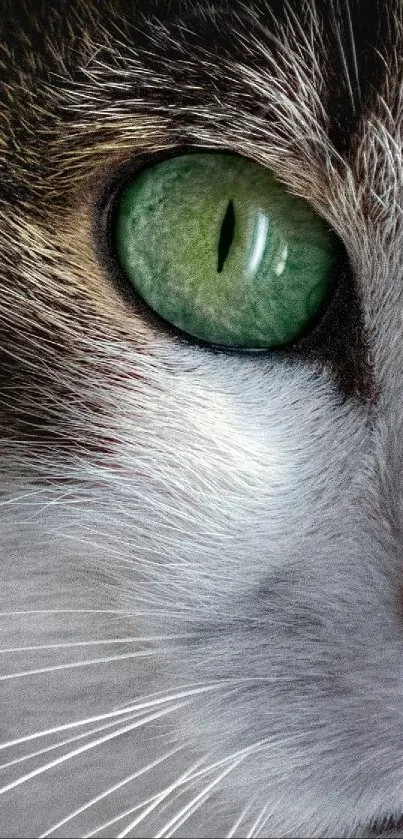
x=219, y=248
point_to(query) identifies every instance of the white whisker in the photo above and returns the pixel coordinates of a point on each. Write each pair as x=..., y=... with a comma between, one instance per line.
x=182, y=790
x=190, y=810
x=187, y=810
x=17, y=498
x=245, y=752
x=69, y=740
x=18, y=613
x=232, y=831
x=89, y=663
x=198, y=689
x=262, y=824
x=92, y=643
x=160, y=698
x=161, y=797
x=110, y=791
x=191, y=775
x=101, y=827
x=65, y=727
x=257, y=823
x=139, y=723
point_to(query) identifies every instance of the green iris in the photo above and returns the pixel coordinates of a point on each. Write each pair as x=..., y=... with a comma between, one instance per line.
x=219, y=248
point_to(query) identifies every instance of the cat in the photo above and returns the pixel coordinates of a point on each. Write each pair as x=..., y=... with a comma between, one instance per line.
x=201, y=549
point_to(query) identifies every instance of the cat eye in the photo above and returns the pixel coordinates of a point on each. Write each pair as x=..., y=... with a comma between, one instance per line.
x=219, y=248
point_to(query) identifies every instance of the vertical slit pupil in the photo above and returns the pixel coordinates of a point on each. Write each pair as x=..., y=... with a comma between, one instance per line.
x=226, y=235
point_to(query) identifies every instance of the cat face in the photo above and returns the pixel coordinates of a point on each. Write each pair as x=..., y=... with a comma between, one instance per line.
x=201, y=613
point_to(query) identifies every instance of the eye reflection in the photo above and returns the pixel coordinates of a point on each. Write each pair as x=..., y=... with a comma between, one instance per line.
x=258, y=244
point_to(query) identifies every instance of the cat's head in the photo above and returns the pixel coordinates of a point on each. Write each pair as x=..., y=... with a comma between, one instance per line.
x=201, y=546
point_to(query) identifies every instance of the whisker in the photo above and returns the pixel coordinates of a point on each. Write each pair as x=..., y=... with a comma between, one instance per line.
x=190, y=811
x=137, y=807
x=65, y=727
x=17, y=613
x=244, y=752
x=17, y=498
x=182, y=790
x=161, y=797
x=263, y=823
x=205, y=794
x=194, y=689
x=122, y=710
x=184, y=814
x=92, y=643
x=89, y=663
x=69, y=740
x=61, y=500
x=191, y=774
x=107, y=737
x=253, y=831
x=231, y=833
x=111, y=790
x=105, y=825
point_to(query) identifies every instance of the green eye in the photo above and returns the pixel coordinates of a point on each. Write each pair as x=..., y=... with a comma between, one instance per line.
x=217, y=246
